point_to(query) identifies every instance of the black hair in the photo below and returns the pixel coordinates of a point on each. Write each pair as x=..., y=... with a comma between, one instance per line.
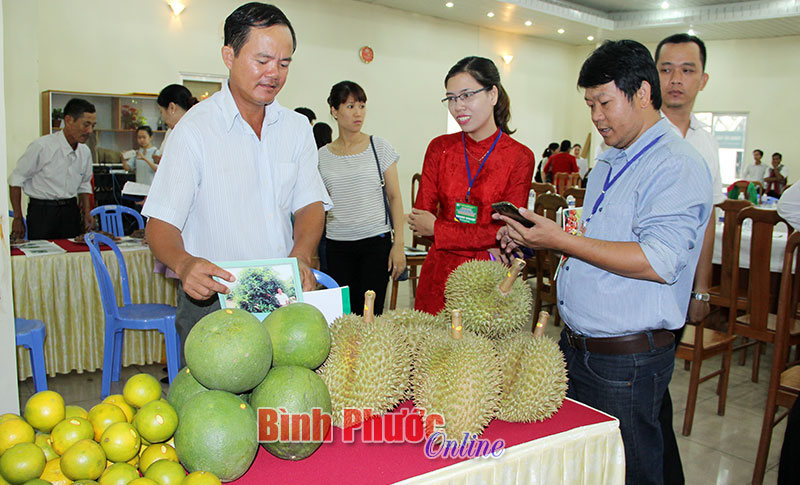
x=485, y=72
x=760, y=152
x=565, y=146
x=249, y=15
x=308, y=113
x=576, y=145
x=175, y=93
x=323, y=134
x=552, y=147
x=145, y=128
x=343, y=90
x=684, y=38
x=625, y=62
x=547, y=152
x=776, y=154
x=76, y=107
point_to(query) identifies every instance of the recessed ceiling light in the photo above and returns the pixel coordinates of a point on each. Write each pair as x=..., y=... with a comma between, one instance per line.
x=590, y=38
x=665, y=5
x=490, y=14
x=691, y=32
x=561, y=31
x=449, y=4
x=528, y=23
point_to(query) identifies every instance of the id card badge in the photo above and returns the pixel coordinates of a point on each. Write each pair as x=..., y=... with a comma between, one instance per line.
x=466, y=213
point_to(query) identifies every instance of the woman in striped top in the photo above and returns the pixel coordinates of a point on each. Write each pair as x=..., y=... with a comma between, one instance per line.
x=360, y=249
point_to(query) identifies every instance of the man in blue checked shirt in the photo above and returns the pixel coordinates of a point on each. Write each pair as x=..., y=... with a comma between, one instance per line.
x=628, y=277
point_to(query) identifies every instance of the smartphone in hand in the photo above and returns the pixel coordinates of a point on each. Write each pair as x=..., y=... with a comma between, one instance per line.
x=510, y=210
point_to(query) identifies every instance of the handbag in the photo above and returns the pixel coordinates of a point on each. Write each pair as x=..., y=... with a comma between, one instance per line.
x=388, y=219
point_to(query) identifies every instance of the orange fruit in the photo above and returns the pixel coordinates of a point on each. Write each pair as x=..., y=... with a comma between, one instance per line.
x=68, y=432
x=120, y=442
x=43, y=441
x=53, y=474
x=157, y=421
x=119, y=401
x=166, y=472
x=143, y=481
x=75, y=412
x=83, y=460
x=156, y=452
x=141, y=389
x=118, y=474
x=13, y=431
x=22, y=462
x=201, y=478
x=104, y=415
x=44, y=410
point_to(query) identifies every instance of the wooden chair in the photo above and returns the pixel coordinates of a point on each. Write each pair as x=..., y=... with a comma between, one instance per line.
x=563, y=181
x=576, y=192
x=416, y=241
x=784, y=380
x=742, y=185
x=721, y=294
x=540, y=188
x=757, y=323
x=546, y=261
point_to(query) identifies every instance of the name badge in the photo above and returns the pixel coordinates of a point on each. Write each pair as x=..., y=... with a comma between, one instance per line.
x=466, y=213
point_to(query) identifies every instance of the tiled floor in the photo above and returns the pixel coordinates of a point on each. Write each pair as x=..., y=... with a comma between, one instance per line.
x=721, y=449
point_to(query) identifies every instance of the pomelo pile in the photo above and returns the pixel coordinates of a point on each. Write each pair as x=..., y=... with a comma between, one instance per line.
x=236, y=364
x=126, y=439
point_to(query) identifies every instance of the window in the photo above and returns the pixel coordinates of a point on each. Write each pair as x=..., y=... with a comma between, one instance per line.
x=729, y=129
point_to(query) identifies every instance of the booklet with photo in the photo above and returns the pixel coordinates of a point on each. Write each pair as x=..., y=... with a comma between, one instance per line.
x=261, y=286
x=570, y=220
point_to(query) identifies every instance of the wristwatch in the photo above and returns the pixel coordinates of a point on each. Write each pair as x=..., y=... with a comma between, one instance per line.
x=701, y=296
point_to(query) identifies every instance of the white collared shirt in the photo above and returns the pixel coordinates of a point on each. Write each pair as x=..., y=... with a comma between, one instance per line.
x=51, y=170
x=230, y=194
x=705, y=143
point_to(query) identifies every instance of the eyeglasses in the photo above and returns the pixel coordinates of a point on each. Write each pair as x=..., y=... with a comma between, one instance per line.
x=463, y=97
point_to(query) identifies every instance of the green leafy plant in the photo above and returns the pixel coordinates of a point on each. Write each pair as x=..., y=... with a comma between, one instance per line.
x=257, y=288
x=58, y=114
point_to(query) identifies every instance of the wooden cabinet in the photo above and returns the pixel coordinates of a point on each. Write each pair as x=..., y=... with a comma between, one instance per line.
x=115, y=132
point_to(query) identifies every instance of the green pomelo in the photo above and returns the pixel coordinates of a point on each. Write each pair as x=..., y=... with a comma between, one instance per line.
x=119, y=474
x=299, y=334
x=217, y=432
x=183, y=388
x=229, y=350
x=299, y=391
x=165, y=472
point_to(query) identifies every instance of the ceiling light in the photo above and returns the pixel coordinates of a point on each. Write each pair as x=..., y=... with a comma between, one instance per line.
x=665, y=5
x=490, y=14
x=528, y=23
x=590, y=38
x=561, y=31
x=449, y=4
x=691, y=32
x=508, y=58
x=177, y=7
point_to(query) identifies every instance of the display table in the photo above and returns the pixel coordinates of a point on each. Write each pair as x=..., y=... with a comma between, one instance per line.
x=577, y=445
x=61, y=290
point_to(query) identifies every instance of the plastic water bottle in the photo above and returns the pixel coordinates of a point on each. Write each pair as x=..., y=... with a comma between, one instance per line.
x=571, y=201
x=531, y=199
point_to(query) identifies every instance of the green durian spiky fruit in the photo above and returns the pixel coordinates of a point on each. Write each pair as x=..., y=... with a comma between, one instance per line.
x=458, y=378
x=368, y=366
x=417, y=324
x=493, y=302
x=534, y=377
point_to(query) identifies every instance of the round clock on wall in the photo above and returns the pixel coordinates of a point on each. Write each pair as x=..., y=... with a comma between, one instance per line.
x=366, y=54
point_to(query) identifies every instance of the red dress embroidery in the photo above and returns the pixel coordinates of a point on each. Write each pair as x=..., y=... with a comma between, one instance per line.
x=506, y=175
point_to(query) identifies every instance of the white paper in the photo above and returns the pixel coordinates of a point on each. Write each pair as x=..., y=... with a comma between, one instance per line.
x=133, y=188
x=40, y=247
x=328, y=301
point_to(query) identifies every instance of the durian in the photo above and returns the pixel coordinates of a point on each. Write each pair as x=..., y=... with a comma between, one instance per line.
x=534, y=376
x=416, y=323
x=493, y=302
x=457, y=375
x=368, y=366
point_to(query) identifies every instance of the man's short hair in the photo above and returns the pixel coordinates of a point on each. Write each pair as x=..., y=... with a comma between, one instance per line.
x=625, y=62
x=307, y=112
x=760, y=152
x=565, y=145
x=76, y=107
x=776, y=154
x=683, y=38
x=253, y=14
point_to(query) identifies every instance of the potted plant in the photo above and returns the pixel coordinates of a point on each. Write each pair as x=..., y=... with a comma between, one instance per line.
x=56, y=117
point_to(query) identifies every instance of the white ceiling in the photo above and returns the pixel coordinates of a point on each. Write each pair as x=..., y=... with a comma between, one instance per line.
x=642, y=20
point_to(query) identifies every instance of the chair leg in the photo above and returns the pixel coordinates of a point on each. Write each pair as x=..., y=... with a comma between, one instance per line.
x=743, y=354
x=393, y=298
x=557, y=319
x=722, y=386
x=108, y=362
x=412, y=275
x=38, y=368
x=691, y=399
x=119, y=339
x=764, y=441
x=173, y=354
x=756, y=361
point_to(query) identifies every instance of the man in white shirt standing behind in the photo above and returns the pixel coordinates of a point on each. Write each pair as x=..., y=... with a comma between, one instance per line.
x=237, y=167
x=756, y=171
x=681, y=61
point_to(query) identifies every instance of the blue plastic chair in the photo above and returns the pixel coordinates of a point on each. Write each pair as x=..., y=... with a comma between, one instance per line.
x=324, y=279
x=30, y=334
x=140, y=316
x=111, y=218
x=11, y=215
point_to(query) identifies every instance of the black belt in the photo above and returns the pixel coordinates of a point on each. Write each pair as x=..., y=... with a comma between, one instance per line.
x=54, y=202
x=636, y=343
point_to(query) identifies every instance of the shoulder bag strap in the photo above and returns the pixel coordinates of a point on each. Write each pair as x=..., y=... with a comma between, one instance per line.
x=388, y=218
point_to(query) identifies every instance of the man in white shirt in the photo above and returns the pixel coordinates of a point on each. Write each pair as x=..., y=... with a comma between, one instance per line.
x=756, y=171
x=583, y=164
x=238, y=166
x=681, y=60
x=776, y=176
x=54, y=172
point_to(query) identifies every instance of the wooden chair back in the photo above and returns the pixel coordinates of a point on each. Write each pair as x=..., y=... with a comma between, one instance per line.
x=545, y=260
x=418, y=241
x=730, y=209
x=576, y=192
x=574, y=180
x=540, y=188
x=742, y=185
x=548, y=204
x=564, y=180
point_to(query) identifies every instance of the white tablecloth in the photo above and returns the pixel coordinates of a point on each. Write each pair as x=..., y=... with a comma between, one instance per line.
x=779, y=237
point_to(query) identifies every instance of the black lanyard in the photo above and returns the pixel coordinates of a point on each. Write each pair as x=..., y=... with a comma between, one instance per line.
x=471, y=180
